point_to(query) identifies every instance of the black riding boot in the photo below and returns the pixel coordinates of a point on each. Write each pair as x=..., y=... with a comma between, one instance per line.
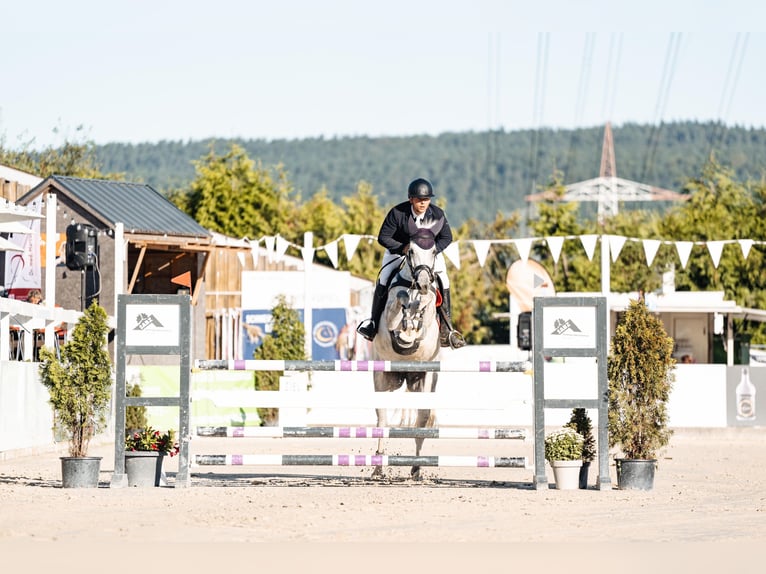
x=369, y=327
x=448, y=336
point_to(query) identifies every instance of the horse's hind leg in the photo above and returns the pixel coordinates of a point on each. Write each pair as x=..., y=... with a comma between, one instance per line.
x=426, y=382
x=377, y=472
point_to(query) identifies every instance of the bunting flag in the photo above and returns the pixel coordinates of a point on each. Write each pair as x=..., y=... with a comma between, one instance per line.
x=254, y=251
x=269, y=243
x=453, y=254
x=684, y=249
x=281, y=247
x=745, y=245
x=351, y=242
x=241, y=258
x=715, y=248
x=650, y=249
x=615, y=245
x=481, y=246
x=589, y=243
x=332, y=252
x=523, y=246
x=554, y=244
x=308, y=255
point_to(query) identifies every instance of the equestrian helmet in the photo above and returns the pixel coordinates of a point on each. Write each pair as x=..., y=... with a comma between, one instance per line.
x=420, y=188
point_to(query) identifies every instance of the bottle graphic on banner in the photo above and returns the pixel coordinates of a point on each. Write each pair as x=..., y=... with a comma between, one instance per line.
x=745, y=396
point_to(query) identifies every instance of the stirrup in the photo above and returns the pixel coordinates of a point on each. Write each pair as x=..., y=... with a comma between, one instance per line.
x=453, y=339
x=456, y=340
x=367, y=329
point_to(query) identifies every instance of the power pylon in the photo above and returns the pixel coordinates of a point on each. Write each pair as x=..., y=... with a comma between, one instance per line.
x=608, y=189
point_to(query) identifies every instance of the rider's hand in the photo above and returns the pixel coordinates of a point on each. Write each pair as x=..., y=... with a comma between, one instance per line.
x=405, y=249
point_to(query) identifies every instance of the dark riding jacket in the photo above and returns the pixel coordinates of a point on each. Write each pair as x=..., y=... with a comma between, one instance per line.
x=399, y=225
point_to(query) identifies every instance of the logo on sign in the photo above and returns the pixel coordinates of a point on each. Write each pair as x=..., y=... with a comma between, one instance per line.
x=144, y=321
x=565, y=327
x=325, y=333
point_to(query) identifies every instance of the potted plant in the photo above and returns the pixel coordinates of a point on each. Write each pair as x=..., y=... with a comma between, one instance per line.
x=145, y=451
x=640, y=371
x=563, y=450
x=79, y=383
x=580, y=421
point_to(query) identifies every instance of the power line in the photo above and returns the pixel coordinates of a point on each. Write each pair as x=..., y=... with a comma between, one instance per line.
x=728, y=91
x=668, y=72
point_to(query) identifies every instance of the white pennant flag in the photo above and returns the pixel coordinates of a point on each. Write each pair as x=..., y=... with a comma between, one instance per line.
x=684, y=249
x=308, y=255
x=615, y=246
x=745, y=245
x=453, y=254
x=269, y=242
x=715, y=248
x=254, y=251
x=332, y=252
x=281, y=247
x=523, y=246
x=481, y=246
x=650, y=249
x=241, y=258
x=555, y=244
x=589, y=243
x=351, y=242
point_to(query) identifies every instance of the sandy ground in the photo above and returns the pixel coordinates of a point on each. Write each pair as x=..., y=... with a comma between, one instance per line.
x=708, y=505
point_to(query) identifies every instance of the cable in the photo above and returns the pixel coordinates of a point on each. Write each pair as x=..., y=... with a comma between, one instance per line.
x=541, y=73
x=727, y=94
x=582, y=93
x=668, y=72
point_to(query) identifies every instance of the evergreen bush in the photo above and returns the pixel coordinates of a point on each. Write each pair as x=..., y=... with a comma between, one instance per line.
x=580, y=421
x=640, y=371
x=286, y=341
x=79, y=381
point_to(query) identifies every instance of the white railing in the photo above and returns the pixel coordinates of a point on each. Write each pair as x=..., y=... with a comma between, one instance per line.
x=21, y=323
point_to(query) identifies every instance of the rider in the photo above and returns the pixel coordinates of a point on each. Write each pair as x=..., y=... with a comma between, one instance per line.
x=398, y=226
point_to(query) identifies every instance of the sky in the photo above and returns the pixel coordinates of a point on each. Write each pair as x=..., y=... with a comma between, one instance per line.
x=147, y=71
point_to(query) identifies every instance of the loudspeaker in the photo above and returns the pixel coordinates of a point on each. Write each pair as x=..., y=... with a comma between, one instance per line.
x=524, y=331
x=81, y=246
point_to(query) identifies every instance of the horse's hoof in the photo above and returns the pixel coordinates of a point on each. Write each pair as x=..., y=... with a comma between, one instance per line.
x=377, y=472
x=415, y=473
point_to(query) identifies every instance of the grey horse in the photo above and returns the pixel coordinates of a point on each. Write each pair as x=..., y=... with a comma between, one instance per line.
x=409, y=331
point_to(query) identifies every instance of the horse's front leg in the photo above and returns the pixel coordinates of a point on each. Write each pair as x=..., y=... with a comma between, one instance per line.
x=426, y=383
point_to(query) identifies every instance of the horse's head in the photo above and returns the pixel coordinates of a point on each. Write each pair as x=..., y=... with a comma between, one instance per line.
x=421, y=257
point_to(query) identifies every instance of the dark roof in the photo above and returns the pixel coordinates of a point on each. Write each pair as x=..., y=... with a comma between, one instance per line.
x=139, y=207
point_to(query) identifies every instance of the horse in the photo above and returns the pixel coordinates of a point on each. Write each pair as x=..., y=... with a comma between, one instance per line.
x=409, y=331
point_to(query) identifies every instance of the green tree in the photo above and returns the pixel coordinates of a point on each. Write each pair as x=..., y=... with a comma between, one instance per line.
x=74, y=159
x=286, y=341
x=363, y=216
x=79, y=383
x=640, y=371
x=236, y=196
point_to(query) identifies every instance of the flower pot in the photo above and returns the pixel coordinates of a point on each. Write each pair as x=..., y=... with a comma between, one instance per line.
x=567, y=474
x=80, y=471
x=144, y=467
x=635, y=474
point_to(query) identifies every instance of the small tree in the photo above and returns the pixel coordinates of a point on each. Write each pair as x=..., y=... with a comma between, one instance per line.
x=580, y=421
x=79, y=382
x=285, y=342
x=135, y=416
x=640, y=371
